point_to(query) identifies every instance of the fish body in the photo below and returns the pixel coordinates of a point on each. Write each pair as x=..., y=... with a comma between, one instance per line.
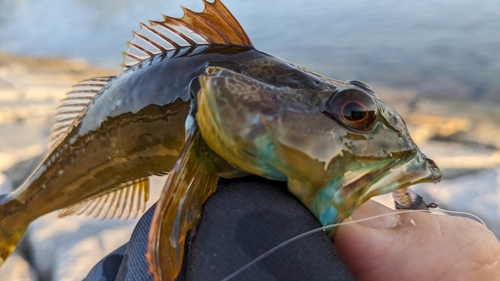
x=203, y=110
x=134, y=127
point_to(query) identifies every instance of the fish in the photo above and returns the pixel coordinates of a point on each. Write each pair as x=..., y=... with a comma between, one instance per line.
x=197, y=101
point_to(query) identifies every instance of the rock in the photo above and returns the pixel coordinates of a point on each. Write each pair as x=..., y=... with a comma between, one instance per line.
x=16, y=268
x=8, y=92
x=485, y=132
x=455, y=158
x=30, y=88
x=5, y=184
x=76, y=263
x=21, y=170
x=439, y=126
x=65, y=249
x=39, y=93
x=456, y=120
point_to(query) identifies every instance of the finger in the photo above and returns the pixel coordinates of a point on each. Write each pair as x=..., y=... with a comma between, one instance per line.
x=417, y=246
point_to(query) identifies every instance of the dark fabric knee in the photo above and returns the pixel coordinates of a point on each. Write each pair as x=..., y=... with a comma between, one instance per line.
x=244, y=219
x=247, y=217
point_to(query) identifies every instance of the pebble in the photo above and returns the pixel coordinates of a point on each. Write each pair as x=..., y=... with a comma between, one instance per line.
x=16, y=268
x=5, y=184
x=67, y=248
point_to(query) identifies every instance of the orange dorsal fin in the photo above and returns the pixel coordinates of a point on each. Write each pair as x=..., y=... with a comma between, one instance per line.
x=215, y=25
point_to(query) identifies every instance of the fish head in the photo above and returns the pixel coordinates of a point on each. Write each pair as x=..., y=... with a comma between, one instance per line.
x=337, y=145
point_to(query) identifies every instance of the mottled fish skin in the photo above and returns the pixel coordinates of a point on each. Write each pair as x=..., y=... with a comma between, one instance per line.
x=287, y=133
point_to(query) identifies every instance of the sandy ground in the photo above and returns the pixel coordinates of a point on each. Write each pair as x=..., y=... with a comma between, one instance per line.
x=30, y=90
x=462, y=137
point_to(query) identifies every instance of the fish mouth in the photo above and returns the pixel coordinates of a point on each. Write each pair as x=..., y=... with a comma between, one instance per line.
x=409, y=169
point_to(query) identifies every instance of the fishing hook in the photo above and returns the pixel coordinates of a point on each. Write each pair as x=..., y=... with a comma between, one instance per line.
x=407, y=199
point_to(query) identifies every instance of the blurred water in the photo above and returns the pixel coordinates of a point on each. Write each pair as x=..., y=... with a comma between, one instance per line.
x=442, y=48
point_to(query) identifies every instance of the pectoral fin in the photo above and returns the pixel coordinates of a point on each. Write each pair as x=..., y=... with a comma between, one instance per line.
x=192, y=181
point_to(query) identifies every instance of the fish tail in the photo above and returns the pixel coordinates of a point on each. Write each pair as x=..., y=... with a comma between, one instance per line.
x=8, y=242
x=8, y=238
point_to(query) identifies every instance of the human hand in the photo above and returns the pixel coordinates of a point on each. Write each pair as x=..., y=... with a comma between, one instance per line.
x=417, y=246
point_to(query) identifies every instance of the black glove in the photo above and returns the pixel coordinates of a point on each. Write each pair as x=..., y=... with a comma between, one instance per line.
x=245, y=218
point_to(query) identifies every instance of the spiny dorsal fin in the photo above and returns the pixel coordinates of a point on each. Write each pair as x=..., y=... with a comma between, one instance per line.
x=73, y=105
x=215, y=25
x=129, y=200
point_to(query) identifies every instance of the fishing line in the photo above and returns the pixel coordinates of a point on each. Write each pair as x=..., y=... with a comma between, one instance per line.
x=327, y=227
x=478, y=219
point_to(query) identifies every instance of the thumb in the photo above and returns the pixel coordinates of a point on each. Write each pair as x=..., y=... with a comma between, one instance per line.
x=417, y=246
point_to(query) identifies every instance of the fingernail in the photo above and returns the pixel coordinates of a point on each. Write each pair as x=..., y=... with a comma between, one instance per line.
x=371, y=209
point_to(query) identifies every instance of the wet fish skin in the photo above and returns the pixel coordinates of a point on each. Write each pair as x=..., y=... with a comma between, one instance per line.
x=285, y=133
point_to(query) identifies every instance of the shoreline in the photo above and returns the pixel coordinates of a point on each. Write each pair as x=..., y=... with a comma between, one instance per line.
x=30, y=91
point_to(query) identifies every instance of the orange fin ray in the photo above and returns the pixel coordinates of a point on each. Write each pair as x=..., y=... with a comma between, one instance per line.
x=129, y=200
x=214, y=25
x=192, y=181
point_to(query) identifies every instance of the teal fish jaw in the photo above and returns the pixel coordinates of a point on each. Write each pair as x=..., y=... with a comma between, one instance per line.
x=323, y=209
x=333, y=203
x=265, y=151
x=344, y=195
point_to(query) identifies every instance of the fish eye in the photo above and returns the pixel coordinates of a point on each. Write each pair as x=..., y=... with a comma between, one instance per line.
x=363, y=86
x=354, y=108
x=360, y=84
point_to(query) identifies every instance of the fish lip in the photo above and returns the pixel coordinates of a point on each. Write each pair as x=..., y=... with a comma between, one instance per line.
x=411, y=168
